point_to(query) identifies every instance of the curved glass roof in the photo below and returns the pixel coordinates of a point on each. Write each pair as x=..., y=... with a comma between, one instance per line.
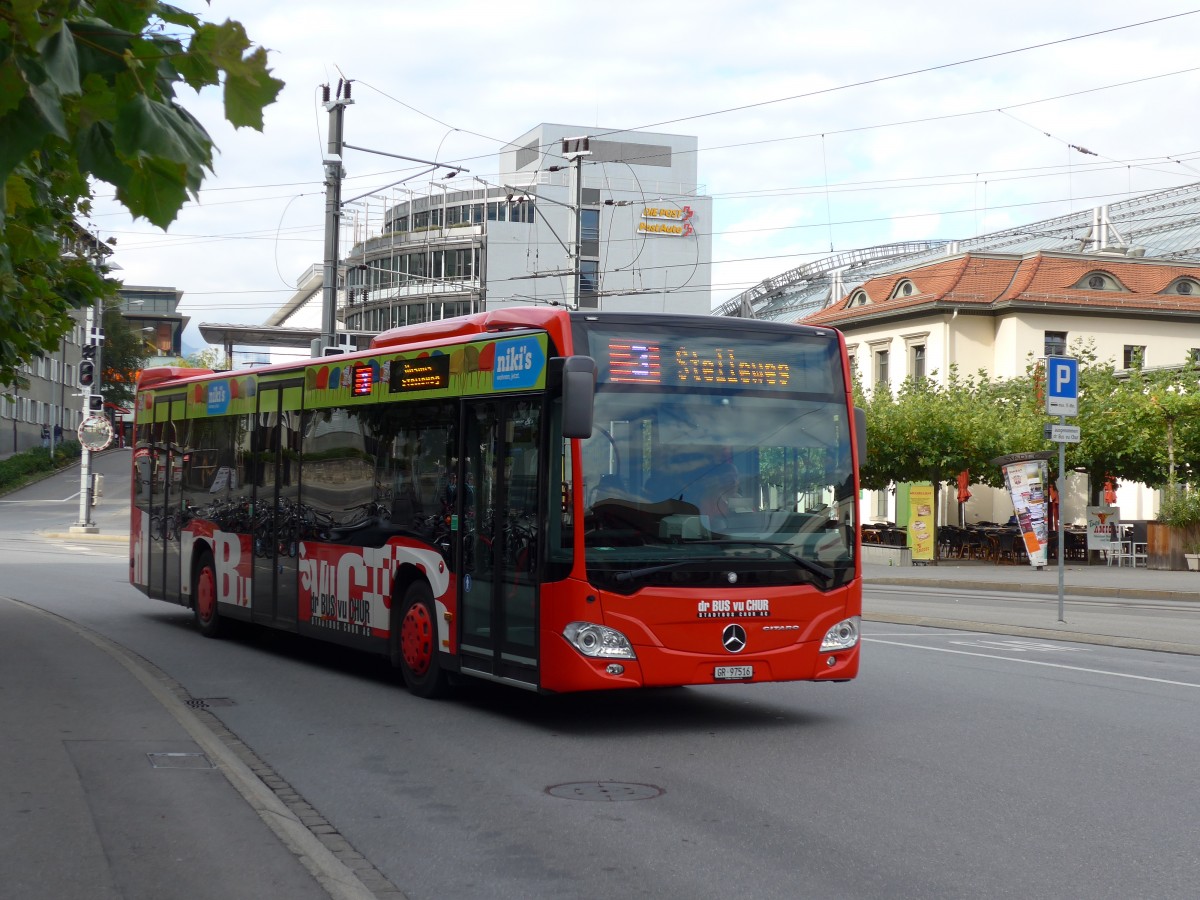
x=1163, y=225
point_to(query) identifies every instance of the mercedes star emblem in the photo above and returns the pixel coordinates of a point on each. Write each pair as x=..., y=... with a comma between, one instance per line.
x=734, y=638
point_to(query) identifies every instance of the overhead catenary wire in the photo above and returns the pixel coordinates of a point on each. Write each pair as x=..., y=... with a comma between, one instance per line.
x=828, y=188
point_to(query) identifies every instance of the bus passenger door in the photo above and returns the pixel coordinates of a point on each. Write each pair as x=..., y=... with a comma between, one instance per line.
x=498, y=533
x=275, y=473
x=174, y=515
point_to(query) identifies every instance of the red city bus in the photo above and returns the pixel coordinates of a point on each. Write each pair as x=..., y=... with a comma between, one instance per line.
x=561, y=501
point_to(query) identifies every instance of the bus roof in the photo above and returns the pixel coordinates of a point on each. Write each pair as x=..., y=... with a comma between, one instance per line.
x=509, y=318
x=156, y=374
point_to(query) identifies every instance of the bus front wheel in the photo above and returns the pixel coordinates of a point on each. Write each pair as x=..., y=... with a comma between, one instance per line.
x=204, y=597
x=416, y=631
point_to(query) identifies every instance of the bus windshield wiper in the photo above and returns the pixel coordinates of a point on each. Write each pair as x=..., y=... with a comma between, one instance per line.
x=808, y=565
x=631, y=574
x=779, y=547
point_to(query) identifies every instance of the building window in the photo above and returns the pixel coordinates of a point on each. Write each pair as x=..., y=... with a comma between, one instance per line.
x=589, y=225
x=1194, y=357
x=589, y=283
x=881, y=367
x=1134, y=356
x=916, y=361
x=1099, y=281
x=1184, y=287
x=1056, y=343
x=881, y=505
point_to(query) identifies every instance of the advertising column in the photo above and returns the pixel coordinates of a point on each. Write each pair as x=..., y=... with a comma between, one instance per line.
x=1027, y=483
x=920, y=522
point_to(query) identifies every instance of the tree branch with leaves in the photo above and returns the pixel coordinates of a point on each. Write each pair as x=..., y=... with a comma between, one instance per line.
x=87, y=94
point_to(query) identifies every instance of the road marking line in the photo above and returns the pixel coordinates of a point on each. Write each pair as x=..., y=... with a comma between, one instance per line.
x=1038, y=662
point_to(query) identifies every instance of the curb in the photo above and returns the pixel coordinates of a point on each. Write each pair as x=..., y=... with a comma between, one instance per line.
x=1120, y=593
x=339, y=869
x=85, y=536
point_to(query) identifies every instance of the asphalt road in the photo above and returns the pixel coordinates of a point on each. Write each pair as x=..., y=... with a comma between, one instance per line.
x=959, y=764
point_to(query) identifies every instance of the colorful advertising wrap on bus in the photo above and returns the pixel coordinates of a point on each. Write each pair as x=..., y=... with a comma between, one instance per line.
x=511, y=364
x=350, y=589
x=344, y=589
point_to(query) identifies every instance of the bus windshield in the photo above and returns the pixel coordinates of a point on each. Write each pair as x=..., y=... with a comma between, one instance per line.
x=734, y=479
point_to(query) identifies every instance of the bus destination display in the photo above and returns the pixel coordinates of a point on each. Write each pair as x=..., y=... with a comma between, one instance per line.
x=429, y=373
x=642, y=362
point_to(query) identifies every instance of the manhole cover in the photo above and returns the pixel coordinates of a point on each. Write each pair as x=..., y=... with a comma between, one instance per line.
x=604, y=791
x=179, y=761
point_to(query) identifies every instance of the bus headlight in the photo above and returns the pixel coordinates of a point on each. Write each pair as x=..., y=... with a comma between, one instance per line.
x=597, y=641
x=841, y=636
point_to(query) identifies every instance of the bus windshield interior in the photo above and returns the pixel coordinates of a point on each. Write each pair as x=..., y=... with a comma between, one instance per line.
x=690, y=485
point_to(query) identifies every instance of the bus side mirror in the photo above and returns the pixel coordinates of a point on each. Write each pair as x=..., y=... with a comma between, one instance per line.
x=579, y=394
x=860, y=433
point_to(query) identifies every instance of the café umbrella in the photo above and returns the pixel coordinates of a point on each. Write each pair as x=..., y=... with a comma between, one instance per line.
x=964, y=479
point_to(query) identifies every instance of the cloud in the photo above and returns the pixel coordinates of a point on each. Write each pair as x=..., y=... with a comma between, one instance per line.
x=858, y=155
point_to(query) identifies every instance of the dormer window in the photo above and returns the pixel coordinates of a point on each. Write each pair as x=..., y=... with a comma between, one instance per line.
x=1099, y=281
x=858, y=298
x=904, y=289
x=1185, y=287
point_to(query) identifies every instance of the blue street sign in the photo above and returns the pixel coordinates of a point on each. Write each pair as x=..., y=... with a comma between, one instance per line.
x=1062, y=386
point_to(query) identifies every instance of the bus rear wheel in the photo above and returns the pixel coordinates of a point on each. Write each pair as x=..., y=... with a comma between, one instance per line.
x=416, y=631
x=204, y=597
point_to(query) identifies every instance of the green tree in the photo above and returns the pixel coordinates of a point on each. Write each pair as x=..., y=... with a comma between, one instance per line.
x=208, y=358
x=122, y=356
x=87, y=93
x=931, y=432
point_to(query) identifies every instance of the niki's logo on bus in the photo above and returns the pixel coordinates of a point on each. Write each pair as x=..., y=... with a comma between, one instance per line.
x=218, y=397
x=519, y=363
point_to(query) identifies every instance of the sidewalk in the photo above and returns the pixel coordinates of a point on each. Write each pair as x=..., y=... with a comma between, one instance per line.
x=107, y=790
x=1114, y=606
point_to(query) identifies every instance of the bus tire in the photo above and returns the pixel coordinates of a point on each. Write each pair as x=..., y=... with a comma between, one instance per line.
x=416, y=632
x=204, y=596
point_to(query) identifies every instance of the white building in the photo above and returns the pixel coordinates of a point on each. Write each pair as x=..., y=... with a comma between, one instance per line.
x=468, y=244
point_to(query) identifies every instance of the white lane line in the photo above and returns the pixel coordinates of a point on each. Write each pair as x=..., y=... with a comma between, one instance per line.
x=74, y=496
x=1038, y=662
x=876, y=634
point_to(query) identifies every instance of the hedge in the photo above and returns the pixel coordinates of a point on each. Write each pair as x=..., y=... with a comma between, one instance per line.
x=20, y=468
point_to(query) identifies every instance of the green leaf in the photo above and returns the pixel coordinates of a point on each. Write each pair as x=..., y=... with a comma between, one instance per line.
x=100, y=48
x=21, y=131
x=148, y=128
x=155, y=190
x=61, y=61
x=48, y=104
x=12, y=86
x=247, y=94
x=176, y=16
x=98, y=155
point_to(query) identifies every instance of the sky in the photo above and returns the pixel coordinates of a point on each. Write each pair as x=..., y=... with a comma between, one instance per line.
x=822, y=127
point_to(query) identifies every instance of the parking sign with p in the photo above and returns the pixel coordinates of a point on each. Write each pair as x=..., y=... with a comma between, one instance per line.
x=1062, y=386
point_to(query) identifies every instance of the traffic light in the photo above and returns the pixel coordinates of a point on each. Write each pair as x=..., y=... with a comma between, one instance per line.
x=96, y=403
x=87, y=366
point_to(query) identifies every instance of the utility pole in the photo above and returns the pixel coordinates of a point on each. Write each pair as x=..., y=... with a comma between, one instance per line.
x=574, y=150
x=334, y=173
x=90, y=378
x=481, y=274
